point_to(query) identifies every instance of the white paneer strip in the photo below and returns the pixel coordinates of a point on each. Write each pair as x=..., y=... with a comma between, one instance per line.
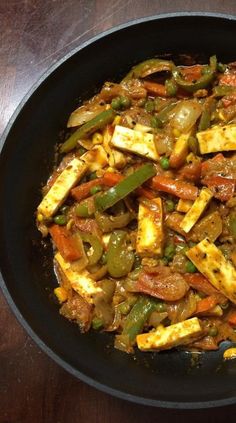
x=217, y=138
x=96, y=158
x=81, y=282
x=68, y=178
x=116, y=159
x=196, y=210
x=184, y=206
x=171, y=336
x=137, y=142
x=211, y=262
x=150, y=236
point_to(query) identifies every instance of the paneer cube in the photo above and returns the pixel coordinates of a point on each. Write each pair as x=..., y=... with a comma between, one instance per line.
x=81, y=282
x=96, y=158
x=150, y=236
x=137, y=142
x=171, y=336
x=217, y=138
x=196, y=210
x=184, y=206
x=211, y=262
x=68, y=178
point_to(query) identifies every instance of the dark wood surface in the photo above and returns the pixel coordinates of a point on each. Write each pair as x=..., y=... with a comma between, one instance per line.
x=33, y=35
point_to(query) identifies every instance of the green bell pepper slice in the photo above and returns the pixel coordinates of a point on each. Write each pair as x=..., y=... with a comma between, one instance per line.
x=149, y=67
x=125, y=187
x=119, y=259
x=208, y=108
x=138, y=316
x=98, y=122
x=108, y=223
x=202, y=82
x=95, y=252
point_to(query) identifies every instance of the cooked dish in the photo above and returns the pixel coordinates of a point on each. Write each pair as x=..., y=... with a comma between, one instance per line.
x=142, y=212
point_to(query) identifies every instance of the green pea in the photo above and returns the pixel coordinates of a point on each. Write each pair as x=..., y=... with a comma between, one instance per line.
x=165, y=163
x=116, y=103
x=221, y=67
x=193, y=145
x=95, y=189
x=97, y=323
x=125, y=102
x=161, y=307
x=170, y=205
x=190, y=267
x=171, y=87
x=149, y=106
x=169, y=252
x=213, y=331
x=155, y=122
x=82, y=210
x=60, y=219
x=82, y=150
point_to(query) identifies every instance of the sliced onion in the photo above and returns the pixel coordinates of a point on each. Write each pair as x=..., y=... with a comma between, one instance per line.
x=86, y=112
x=185, y=115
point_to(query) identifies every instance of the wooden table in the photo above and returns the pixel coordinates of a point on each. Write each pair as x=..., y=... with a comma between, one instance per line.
x=35, y=34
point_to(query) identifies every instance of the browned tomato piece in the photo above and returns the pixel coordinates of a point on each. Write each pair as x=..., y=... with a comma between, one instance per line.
x=160, y=282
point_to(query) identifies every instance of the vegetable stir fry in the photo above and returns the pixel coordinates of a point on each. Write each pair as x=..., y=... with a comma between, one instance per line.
x=142, y=208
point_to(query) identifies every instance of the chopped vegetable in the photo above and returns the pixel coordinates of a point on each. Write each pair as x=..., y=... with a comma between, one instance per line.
x=202, y=82
x=137, y=317
x=149, y=67
x=119, y=259
x=84, y=190
x=180, y=151
x=65, y=243
x=89, y=127
x=125, y=187
x=161, y=283
x=175, y=187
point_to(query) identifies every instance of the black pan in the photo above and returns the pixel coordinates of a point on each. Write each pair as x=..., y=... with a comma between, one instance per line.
x=167, y=379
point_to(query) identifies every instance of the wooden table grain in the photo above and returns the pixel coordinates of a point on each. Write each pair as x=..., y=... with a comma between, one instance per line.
x=34, y=34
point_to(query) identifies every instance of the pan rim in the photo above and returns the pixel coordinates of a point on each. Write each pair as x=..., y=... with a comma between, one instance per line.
x=54, y=356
